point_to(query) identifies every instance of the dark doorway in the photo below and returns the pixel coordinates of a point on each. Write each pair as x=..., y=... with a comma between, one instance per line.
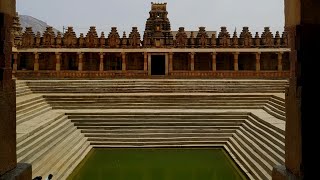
x=158, y=64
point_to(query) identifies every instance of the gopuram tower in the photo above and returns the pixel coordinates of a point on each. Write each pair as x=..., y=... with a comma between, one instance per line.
x=158, y=29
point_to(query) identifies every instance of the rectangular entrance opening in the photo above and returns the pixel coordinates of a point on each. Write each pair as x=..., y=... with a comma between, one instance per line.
x=158, y=65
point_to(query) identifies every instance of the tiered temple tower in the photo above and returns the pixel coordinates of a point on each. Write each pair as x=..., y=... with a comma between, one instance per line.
x=158, y=29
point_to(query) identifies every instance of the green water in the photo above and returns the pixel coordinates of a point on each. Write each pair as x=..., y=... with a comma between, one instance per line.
x=157, y=164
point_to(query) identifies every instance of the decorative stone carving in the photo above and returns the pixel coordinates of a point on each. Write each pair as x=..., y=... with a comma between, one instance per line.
x=124, y=40
x=277, y=39
x=245, y=38
x=284, y=39
x=70, y=38
x=134, y=38
x=181, y=38
x=92, y=38
x=81, y=40
x=102, y=40
x=267, y=38
x=224, y=38
x=16, y=32
x=146, y=40
x=235, y=41
x=48, y=39
x=213, y=40
x=202, y=37
x=38, y=40
x=257, y=40
x=113, y=38
x=158, y=27
x=191, y=40
x=59, y=40
x=28, y=38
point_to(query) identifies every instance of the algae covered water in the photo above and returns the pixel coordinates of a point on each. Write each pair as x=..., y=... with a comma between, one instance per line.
x=157, y=164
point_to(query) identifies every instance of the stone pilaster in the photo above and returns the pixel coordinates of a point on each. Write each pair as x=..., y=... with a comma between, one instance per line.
x=101, y=66
x=124, y=63
x=80, y=64
x=192, y=61
x=8, y=157
x=145, y=61
x=15, y=61
x=58, y=61
x=36, y=61
x=280, y=61
x=258, y=65
x=214, y=61
x=170, y=61
x=236, y=63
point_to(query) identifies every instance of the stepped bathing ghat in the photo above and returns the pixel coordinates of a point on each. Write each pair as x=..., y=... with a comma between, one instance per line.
x=171, y=89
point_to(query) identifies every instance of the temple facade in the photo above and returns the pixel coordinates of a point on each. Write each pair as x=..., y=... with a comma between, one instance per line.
x=159, y=51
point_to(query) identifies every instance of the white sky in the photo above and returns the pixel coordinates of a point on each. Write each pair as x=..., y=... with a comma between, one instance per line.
x=124, y=14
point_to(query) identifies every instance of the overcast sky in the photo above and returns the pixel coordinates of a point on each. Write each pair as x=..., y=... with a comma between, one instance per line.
x=124, y=14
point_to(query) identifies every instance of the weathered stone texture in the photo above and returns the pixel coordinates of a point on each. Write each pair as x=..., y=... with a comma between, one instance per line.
x=7, y=91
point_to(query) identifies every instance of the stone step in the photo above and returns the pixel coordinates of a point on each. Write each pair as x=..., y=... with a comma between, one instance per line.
x=49, y=159
x=268, y=132
x=277, y=104
x=29, y=98
x=154, y=120
x=35, y=125
x=22, y=118
x=274, y=112
x=74, y=161
x=129, y=124
x=280, y=133
x=258, y=171
x=231, y=126
x=178, y=134
x=276, y=109
x=41, y=149
x=164, y=115
x=61, y=153
x=253, y=154
x=93, y=132
x=29, y=102
x=265, y=155
x=28, y=152
x=266, y=146
x=111, y=144
x=156, y=139
x=43, y=133
x=241, y=161
x=31, y=107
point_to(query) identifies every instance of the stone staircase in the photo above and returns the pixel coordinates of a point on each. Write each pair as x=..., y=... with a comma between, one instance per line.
x=59, y=123
x=22, y=89
x=157, y=85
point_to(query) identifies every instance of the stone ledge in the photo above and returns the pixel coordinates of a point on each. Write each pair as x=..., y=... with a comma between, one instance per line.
x=23, y=171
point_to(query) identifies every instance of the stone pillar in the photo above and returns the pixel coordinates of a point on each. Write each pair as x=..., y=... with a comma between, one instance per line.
x=124, y=63
x=15, y=61
x=192, y=61
x=167, y=64
x=36, y=61
x=101, y=66
x=236, y=63
x=8, y=158
x=80, y=63
x=214, y=61
x=58, y=61
x=170, y=61
x=149, y=64
x=280, y=61
x=145, y=61
x=258, y=66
